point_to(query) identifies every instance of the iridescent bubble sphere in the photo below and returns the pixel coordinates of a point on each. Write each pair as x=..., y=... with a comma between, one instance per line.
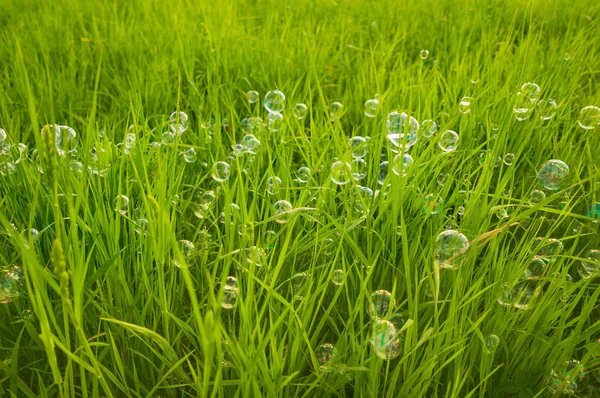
x=553, y=174
x=402, y=129
x=341, y=172
x=282, y=209
x=274, y=101
x=220, y=171
x=589, y=117
x=450, y=246
x=448, y=141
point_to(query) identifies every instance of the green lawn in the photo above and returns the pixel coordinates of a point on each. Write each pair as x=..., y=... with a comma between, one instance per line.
x=118, y=238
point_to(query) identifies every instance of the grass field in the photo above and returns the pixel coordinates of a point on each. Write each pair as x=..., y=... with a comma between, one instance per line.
x=118, y=242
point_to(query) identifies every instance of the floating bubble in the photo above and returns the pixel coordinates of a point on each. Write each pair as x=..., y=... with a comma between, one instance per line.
x=429, y=128
x=64, y=138
x=371, y=107
x=398, y=321
x=121, y=204
x=492, y=342
x=129, y=143
x=282, y=209
x=589, y=117
x=590, y=268
x=275, y=121
x=338, y=277
x=141, y=226
x=381, y=305
x=340, y=172
x=326, y=354
x=300, y=111
x=230, y=214
x=594, y=212
x=450, y=246
x=535, y=269
x=433, y=204
x=75, y=166
x=274, y=101
x=270, y=238
x=255, y=255
x=383, y=172
x=303, y=175
x=251, y=144
x=273, y=185
x=220, y=171
x=546, y=249
x=359, y=169
x=358, y=147
x=3, y=135
x=460, y=210
x=252, y=96
x=189, y=155
x=178, y=122
x=402, y=164
x=335, y=111
x=402, y=129
x=525, y=101
x=524, y=294
x=553, y=174
x=11, y=283
x=464, y=106
x=230, y=293
x=547, y=108
x=448, y=141
x=187, y=249
x=565, y=379
x=424, y=54
x=442, y=178
x=252, y=125
x=536, y=197
x=509, y=158
x=300, y=285
x=385, y=340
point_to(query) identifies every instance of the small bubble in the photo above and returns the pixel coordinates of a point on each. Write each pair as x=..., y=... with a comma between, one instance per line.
x=252, y=96
x=381, y=304
x=509, y=158
x=402, y=129
x=448, y=141
x=282, y=209
x=536, y=197
x=178, y=122
x=464, y=106
x=424, y=54
x=230, y=293
x=274, y=101
x=300, y=111
x=338, y=277
x=340, y=172
x=220, y=171
x=450, y=245
x=121, y=204
x=385, y=340
x=187, y=249
x=358, y=147
x=492, y=342
x=326, y=355
x=433, y=204
x=371, y=107
x=553, y=174
x=429, y=128
x=402, y=164
x=336, y=110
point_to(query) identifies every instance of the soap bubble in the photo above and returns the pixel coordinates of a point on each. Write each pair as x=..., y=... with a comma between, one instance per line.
x=509, y=158
x=129, y=143
x=300, y=111
x=3, y=135
x=535, y=269
x=460, y=210
x=282, y=209
x=492, y=342
x=450, y=245
x=448, y=141
x=371, y=107
x=75, y=166
x=594, y=212
x=547, y=108
x=358, y=147
x=340, y=172
x=424, y=54
x=359, y=169
x=64, y=138
x=189, y=155
x=335, y=111
x=591, y=266
x=220, y=171
x=398, y=321
x=270, y=238
x=338, y=277
x=178, y=122
x=546, y=249
x=230, y=293
x=429, y=128
x=187, y=249
x=383, y=172
x=381, y=305
x=402, y=129
x=433, y=204
x=589, y=117
x=524, y=294
x=326, y=354
x=251, y=144
x=525, y=101
x=536, y=197
x=303, y=175
x=252, y=96
x=255, y=255
x=300, y=285
x=275, y=121
x=385, y=340
x=565, y=379
x=464, y=106
x=121, y=204
x=273, y=185
x=402, y=164
x=230, y=214
x=553, y=174
x=252, y=125
x=274, y=101
x=11, y=283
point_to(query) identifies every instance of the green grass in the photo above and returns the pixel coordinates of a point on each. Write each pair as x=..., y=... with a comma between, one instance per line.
x=121, y=320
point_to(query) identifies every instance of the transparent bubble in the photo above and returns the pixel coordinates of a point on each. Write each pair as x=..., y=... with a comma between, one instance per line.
x=567, y=56
x=189, y=155
x=358, y=147
x=129, y=143
x=252, y=125
x=450, y=246
x=338, y=277
x=381, y=305
x=3, y=135
x=256, y=255
x=448, y=141
x=525, y=101
x=433, y=204
x=553, y=174
x=524, y=294
x=398, y=321
x=75, y=166
x=275, y=121
x=230, y=293
x=546, y=249
x=121, y=204
x=252, y=96
x=230, y=214
x=492, y=342
x=509, y=158
x=178, y=122
x=402, y=164
x=251, y=144
x=383, y=172
x=371, y=107
x=340, y=172
x=385, y=340
x=589, y=117
x=507, y=296
x=187, y=249
x=27, y=315
x=303, y=175
x=536, y=197
x=11, y=283
x=424, y=54
x=442, y=178
x=359, y=169
x=273, y=185
x=566, y=379
x=531, y=91
x=336, y=109
x=464, y=106
x=300, y=285
x=326, y=355
x=429, y=128
x=594, y=212
x=270, y=238
x=535, y=269
x=300, y=111
x=220, y=171
x=274, y=101
x=64, y=137
x=590, y=268
x=402, y=129
x=547, y=108
x=282, y=209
